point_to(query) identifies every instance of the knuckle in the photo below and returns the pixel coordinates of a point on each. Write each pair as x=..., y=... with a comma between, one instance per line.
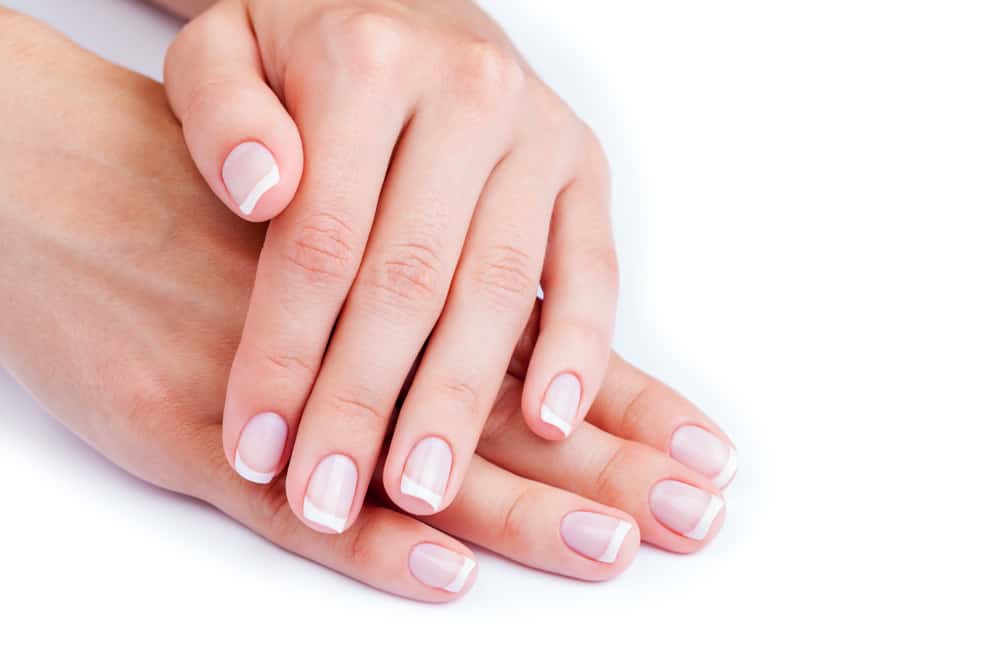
x=602, y=265
x=322, y=248
x=410, y=278
x=504, y=274
x=463, y=393
x=643, y=409
x=554, y=117
x=354, y=405
x=607, y=482
x=588, y=334
x=516, y=526
x=594, y=158
x=366, y=42
x=287, y=362
x=210, y=96
x=487, y=73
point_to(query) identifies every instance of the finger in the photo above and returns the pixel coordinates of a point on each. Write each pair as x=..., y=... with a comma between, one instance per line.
x=240, y=136
x=383, y=548
x=467, y=356
x=635, y=406
x=538, y=525
x=580, y=283
x=429, y=197
x=675, y=508
x=350, y=124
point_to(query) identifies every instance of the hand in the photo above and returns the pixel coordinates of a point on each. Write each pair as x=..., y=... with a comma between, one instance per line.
x=438, y=174
x=128, y=325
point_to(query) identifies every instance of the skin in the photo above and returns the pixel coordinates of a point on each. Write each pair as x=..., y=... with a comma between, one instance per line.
x=129, y=324
x=430, y=182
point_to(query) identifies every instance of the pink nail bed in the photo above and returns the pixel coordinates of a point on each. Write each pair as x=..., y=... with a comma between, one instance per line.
x=562, y=402
x=596, y=536
x=427, y=470
x=248, y=173
x=330, y=494
x=260, y=448
x=684, y=509
x=441, y=568
x=704, y=453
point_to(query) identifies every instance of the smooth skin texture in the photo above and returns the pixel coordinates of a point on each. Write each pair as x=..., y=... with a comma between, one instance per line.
x=422, y=183
x=129, y=324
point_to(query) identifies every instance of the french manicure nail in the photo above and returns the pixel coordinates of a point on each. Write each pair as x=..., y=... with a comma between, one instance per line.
x=593, y=535
x=684, y=509
x=439, y=567
x=427, y=470
x=331, y=492
x=705, y=453
x=260, y=447
x=562, y=400
x=249, y=172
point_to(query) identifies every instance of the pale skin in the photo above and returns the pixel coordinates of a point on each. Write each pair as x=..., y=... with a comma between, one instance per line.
x=139, y=287
x=422, y=183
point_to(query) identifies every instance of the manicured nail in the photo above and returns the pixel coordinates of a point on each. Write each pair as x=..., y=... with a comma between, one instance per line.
x=439, y=567
x=261, y=445
x=705, y=453
x=249, y=172
x=427, y=471
x=684, y=509
x=331, y=492
x=561, y=403
x=593, y=535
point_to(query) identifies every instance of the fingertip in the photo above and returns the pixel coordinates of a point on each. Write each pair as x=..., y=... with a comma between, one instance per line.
x=427, y=481
x=252, y=178
x=553, y=414
x=444, y=569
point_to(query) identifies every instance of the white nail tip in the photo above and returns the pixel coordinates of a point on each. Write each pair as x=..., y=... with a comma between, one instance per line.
x=411, y=488
x=726, y=475
x=318, y=516
x=699, y=532
x=550, y=417
x=611, y=552
x=249, y=474
x=459, y=581
x=259, y=190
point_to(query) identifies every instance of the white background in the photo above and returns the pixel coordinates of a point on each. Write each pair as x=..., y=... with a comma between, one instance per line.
x=807, y=209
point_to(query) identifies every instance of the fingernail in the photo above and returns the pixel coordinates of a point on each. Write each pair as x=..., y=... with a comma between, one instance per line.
x=561, y=403
x=684, y=509
x=427, y=470
x=261, y=445
x=705, y=453
x=249, y=172
x=331, y=492
x=593, y=535
x=439, y=567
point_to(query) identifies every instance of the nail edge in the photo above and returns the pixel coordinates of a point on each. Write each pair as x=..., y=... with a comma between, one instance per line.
x=409, y=487
x=550, y=417
x=248, y=473
x=325, y=519
x=458, y=582
x=271, y=179
x=610, y=554
x=699, y=532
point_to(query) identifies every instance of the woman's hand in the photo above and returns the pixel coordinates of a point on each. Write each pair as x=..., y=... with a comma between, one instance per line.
x=128, y=323
x=419, y=176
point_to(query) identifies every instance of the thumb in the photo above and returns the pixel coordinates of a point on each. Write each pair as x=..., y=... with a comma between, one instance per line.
x=242, y=140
